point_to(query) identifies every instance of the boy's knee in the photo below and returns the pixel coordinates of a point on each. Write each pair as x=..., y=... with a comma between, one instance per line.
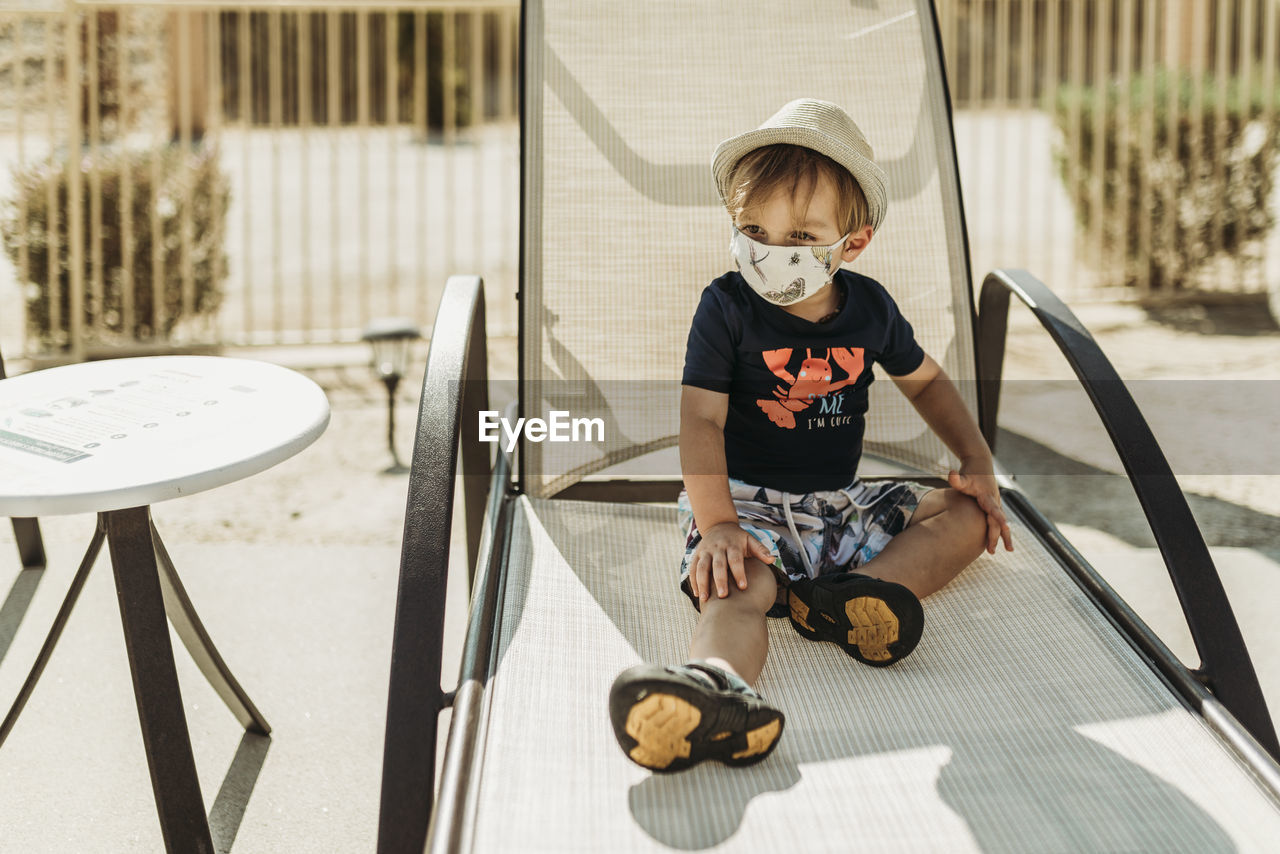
x=761, y=574
x=970, y=519
x=762, y=587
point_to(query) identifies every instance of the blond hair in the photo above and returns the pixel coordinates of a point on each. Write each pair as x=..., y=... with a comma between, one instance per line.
x=766, y=170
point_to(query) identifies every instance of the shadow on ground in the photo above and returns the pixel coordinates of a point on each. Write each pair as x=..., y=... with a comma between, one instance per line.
x=1246, y=315
x=1071, y=492
x=227, y=813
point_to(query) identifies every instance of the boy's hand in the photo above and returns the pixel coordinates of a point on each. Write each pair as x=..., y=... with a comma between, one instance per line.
x=722, y=551
x=982, y=486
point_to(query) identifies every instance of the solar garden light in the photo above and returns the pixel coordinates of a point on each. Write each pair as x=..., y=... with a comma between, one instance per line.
x=392, y=341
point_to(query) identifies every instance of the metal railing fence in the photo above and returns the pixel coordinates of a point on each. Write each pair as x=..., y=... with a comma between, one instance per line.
x=1119, y=147
x=186, y=174
x=242, y=173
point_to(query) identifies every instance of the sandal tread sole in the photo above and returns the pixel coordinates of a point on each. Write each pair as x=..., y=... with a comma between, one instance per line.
x=877, y=628
x=667, y=725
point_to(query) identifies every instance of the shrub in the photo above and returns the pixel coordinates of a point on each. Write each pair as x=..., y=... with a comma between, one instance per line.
x=1219, y=201
x=181, y=177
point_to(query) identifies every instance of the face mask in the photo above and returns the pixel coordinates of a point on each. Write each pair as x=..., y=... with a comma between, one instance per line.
x=784, y=274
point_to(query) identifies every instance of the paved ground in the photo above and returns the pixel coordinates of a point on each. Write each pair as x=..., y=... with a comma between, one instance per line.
x=294, y=573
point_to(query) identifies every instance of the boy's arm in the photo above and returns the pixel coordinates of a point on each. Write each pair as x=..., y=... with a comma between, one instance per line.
x=938, y=401
x=706, y=480
x=702, y=461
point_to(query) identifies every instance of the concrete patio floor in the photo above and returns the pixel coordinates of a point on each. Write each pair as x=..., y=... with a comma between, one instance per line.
x=294, y=573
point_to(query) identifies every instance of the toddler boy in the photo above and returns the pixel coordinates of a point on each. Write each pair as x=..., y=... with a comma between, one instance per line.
x=777, y=368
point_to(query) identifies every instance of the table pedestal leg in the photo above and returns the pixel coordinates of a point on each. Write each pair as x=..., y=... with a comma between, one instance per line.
x=155, y=683
x=198, y=643
x=55, y=631
x=30, y=545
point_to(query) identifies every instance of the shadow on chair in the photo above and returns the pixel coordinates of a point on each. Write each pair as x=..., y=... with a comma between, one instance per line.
x=672, y=809
x=1014, y=759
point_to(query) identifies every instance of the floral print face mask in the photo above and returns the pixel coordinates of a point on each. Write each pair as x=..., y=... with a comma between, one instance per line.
x=784, y=274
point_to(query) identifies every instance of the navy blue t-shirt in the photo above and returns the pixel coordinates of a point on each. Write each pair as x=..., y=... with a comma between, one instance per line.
x=797, y=389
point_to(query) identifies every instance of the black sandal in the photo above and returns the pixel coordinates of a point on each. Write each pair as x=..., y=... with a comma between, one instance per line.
x=667, y=719
x=877, y=622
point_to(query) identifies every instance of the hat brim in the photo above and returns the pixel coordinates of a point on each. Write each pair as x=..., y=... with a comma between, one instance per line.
x=868, y=175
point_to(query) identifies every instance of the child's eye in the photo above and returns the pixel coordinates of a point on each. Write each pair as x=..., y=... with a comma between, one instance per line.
x=803, y=235
x=749, y=229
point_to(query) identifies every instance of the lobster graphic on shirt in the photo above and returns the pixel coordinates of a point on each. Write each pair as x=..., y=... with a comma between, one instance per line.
x=813, y=381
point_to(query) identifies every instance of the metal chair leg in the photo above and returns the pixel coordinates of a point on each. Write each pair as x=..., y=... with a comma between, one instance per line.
x=55, y=631
x=155, y=683
x=186, y=623
x=30, y=545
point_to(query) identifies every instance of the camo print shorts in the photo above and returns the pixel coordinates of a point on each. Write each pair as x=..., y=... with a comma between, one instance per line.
x=814, y=534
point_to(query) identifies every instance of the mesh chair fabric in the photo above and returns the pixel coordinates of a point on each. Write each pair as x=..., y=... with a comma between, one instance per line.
x=1023, y=722
x=625, y=103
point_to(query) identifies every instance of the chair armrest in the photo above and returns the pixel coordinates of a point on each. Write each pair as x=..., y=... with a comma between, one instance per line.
x=455, y=385
x=1226, y=668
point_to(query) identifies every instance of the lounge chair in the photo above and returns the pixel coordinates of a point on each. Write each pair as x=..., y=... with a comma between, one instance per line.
x=1038, y=713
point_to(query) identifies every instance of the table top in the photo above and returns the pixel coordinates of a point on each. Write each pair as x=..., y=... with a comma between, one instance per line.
x=119, y=433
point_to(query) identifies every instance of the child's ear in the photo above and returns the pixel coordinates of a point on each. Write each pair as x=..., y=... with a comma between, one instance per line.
x=856, y=242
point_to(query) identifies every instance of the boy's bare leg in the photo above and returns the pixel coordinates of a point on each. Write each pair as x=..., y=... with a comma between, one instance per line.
x=732, y=633
x=946, y=533
x=669, y=718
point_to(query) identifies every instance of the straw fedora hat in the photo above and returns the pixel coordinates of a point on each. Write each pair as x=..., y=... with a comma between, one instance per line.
x=822, y=126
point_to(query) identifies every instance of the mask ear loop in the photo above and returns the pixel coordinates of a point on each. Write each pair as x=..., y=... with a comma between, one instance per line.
x=834, y=259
